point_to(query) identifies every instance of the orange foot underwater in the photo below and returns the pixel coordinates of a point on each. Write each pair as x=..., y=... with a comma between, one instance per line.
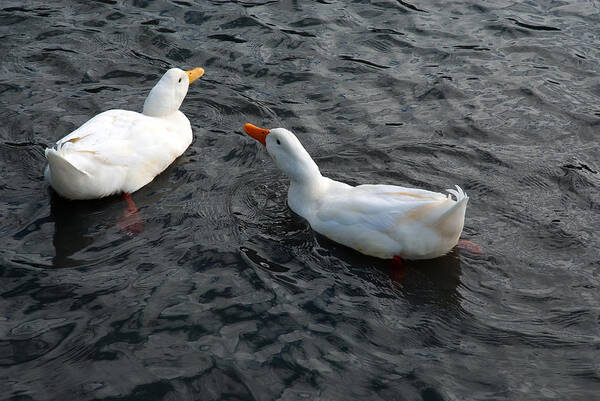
x=397, y=270
x=131, y=222
x=469, y=246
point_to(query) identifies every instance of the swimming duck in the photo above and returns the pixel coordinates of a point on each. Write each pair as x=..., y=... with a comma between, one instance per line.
x=120, y=151
x=384, y=221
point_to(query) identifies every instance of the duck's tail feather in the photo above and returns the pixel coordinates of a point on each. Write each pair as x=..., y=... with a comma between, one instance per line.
x=450, y=223
x=65, y=177
x=458, y=193
x=59, y=165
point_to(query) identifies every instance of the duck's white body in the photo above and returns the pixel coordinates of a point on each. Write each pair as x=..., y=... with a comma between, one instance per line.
x=116, y=151
x=382, y=220
x=121, y=151
x=377, y=220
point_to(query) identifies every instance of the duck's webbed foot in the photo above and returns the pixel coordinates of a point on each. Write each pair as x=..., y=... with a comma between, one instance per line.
x=469, y=246
x=131, y=222
x=397, y=269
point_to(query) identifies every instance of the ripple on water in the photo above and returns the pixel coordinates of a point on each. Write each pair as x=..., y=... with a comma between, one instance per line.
x=225, y=293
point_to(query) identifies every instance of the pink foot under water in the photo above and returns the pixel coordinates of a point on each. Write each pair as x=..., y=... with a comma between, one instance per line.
x=469, y=246
x=131, y=222
x=397, y=269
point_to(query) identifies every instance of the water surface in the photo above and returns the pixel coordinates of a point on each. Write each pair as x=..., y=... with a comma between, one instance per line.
x=226, y=294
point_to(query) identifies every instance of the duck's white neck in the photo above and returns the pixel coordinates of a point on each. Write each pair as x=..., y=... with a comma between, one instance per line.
x=163, y=100
x=306, y=181
x=306, y=186
x=305, y=172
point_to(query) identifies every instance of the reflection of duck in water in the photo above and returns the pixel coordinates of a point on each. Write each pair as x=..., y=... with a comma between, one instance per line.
x=120, y=151
x=378, y=220
x=428, y=276
x=89, y=231
x=79, y=225
x=429, y=281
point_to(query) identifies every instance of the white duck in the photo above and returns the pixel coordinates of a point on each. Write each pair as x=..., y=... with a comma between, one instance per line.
x=120, y=150
x=385, y=221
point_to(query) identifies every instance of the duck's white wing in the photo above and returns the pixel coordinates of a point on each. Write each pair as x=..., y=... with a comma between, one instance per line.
x=380, y=206
x=119, y=138
x=114, y=137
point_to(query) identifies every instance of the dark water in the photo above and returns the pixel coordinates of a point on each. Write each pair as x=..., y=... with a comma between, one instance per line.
x=228, y=295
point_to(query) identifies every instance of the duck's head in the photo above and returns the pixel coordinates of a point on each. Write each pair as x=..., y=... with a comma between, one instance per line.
x=168, y=94
x=286, y=151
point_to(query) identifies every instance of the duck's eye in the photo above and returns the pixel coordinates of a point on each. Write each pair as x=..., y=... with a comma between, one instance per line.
x=278, y=143
x=179, y=79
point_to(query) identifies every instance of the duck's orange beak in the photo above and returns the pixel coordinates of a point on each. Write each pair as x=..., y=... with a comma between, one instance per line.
x=195, y=74
x=260, y=134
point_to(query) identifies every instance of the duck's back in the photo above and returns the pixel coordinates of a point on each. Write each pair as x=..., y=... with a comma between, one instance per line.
x=387, y=221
